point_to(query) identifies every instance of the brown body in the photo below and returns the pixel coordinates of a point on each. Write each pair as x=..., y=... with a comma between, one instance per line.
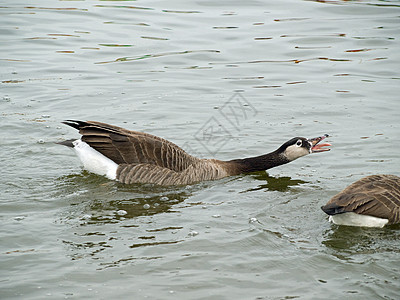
x=376, y=195
x=145, y=158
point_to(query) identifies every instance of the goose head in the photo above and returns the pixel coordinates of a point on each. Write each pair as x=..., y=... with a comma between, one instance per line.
x=300, y=146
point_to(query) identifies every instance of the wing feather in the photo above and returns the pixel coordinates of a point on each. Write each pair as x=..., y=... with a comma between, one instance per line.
x=132, y=147
x=376, y=195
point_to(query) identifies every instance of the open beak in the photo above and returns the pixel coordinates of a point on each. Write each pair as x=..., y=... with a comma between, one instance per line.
x=316, y=147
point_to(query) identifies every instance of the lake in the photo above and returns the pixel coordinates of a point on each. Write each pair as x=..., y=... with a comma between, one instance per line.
x=222, y=79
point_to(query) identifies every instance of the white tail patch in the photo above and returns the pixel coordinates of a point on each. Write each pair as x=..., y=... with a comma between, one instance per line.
x=94, y=161
x=353, y=219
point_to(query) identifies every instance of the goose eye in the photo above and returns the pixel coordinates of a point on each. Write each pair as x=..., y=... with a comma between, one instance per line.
x=299, y=143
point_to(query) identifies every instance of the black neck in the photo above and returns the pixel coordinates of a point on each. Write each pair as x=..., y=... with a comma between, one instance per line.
x=260, y=163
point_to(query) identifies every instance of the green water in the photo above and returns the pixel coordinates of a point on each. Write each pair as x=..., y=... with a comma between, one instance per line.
x=221, y=79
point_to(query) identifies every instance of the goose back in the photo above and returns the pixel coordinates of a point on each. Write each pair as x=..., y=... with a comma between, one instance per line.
x=126, y=147
x=375, y=195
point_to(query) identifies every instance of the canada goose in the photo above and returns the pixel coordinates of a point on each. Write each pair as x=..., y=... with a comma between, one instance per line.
x=137, y=157
x=373, y=201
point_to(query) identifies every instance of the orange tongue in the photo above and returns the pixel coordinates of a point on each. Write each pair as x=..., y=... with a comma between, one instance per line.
x=323, y=145
x=319, y=146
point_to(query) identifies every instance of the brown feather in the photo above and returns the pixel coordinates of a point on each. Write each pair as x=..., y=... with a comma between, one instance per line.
x=375, y=195
x=132, y=147
x=145, y=158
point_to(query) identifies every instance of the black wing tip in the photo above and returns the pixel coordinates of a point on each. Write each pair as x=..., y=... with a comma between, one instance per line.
x=67, y=143
x=74, y=123
x=332, y=209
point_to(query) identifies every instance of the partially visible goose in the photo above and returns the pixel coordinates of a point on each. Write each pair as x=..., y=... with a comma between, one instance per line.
x=137, y=157
x=373, y=201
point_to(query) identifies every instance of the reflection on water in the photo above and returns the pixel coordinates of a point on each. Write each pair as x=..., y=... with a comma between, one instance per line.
x=147, y=56
x=346, y=241
x=280, y=184
x=97, y=203
x=163, y=66
x=131, y=208
x=139, y=206
x=121, y=201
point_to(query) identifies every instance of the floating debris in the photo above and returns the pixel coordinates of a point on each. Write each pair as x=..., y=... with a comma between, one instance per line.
x=182, y=11
x=86, y=217
x=121, y=212
x=12, y=81
x=154, y=38
x=296, y=82
x=225, y=27
x=266, y=86
x=124, y=6
x=41, y=38
x=56, y=8
x=193, y=233
x=253, y=220
x=359, y=50
x=62, y=34
x=115, y=45
x=146, y=56
x=291, y=19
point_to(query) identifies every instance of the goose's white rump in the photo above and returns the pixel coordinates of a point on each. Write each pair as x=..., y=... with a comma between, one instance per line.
x=353, y=219
x=94, y=161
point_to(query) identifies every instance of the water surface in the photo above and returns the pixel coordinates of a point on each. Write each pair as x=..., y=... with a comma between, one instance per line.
x=221, y=79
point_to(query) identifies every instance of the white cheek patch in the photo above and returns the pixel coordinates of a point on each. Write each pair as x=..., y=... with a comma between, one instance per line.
x=293, y=152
